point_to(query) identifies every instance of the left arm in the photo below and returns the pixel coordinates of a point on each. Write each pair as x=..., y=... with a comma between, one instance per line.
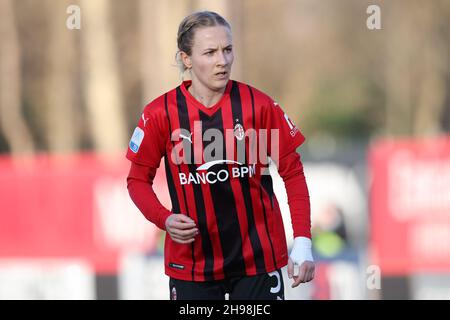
x=282, y=151
x=290, y=169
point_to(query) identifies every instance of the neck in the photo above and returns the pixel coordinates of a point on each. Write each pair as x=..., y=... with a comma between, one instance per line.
x=204, y=95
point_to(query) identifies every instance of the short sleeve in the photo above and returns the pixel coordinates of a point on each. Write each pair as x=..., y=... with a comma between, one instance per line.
x=283, y=135
x=147, y=144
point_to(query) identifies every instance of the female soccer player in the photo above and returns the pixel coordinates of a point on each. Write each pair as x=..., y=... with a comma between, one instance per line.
x=225, y=232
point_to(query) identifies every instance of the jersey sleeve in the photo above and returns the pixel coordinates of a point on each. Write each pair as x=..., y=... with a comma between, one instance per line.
x=283, y=135
x=147, y=144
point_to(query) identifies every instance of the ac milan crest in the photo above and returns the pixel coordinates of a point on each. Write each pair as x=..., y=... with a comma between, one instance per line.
x=239, y=132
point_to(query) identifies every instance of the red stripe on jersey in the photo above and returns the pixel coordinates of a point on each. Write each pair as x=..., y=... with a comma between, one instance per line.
x=280, y=246
x=170, y=165
x=214, y=232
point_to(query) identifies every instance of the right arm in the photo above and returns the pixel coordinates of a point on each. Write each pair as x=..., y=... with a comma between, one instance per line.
x=180, y=227
x=146, y=148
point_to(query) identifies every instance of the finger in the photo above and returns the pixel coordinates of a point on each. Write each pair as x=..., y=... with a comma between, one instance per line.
x=179, y=237
x=302, y=272
x=184, y=233
x=181, y=225
x=183, y=241
x=308, y=275
x=311, y=273
x=309, y=270
x=184, y=218
x=296, y=270
x=297, y=281
x=290, y=268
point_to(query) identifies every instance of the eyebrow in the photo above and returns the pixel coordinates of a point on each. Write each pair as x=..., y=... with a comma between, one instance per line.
x=214, y=49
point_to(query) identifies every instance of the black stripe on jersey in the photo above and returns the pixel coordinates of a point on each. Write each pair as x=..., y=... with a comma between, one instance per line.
x=266, y=182
x=258, y=253
x=174, y=196
x=260, y=189
x=225, y=208
x=171, y=185
x=253, y=107
x=208, y=252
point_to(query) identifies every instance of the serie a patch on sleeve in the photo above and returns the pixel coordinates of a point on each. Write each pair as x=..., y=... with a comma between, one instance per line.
x=136, y=139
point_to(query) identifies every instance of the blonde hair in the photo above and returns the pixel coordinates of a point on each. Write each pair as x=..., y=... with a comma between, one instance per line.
x=186, y=32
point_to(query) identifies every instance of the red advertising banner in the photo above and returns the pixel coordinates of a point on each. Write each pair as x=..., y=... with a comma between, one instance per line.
x=410, y=206
x=72, y=207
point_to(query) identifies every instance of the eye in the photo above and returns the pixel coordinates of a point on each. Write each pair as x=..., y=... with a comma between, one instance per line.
x=209, y=53
x=228, y=50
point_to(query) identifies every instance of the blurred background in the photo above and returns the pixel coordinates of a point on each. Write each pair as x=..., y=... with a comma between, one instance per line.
x=371, y=96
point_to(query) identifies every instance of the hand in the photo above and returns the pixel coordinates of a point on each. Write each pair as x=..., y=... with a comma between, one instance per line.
x=301, y=257
x=305, y=274
x=181, y=228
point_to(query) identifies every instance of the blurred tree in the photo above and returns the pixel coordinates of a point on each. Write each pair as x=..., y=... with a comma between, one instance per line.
x=12, y=122
x=62, y=116
x=445, y=120
x=126, y=28
x=415, y=66
x=104, y=99
x=434, y=67
x=33, y=28
x=159, y=27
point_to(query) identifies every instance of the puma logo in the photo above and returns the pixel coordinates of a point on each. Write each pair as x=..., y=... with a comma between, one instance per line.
x=145, y=120
x=186, y=137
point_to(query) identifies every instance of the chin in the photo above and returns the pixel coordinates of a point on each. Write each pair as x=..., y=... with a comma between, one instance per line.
x=219, y=83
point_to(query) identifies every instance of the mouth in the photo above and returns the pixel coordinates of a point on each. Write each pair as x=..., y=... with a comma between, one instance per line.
x=221, y=74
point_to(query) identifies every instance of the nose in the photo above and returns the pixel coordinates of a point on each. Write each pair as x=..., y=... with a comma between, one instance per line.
x=221, y=59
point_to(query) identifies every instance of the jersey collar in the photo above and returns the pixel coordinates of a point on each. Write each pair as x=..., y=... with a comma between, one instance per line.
x=211, y=110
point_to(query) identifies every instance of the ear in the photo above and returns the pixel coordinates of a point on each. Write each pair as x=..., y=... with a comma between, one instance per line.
x=186, y=60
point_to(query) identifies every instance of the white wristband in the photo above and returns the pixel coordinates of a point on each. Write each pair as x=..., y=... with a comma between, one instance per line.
x=301, y=251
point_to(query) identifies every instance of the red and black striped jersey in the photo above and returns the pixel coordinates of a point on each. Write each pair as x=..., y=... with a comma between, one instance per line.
x=217, y=174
